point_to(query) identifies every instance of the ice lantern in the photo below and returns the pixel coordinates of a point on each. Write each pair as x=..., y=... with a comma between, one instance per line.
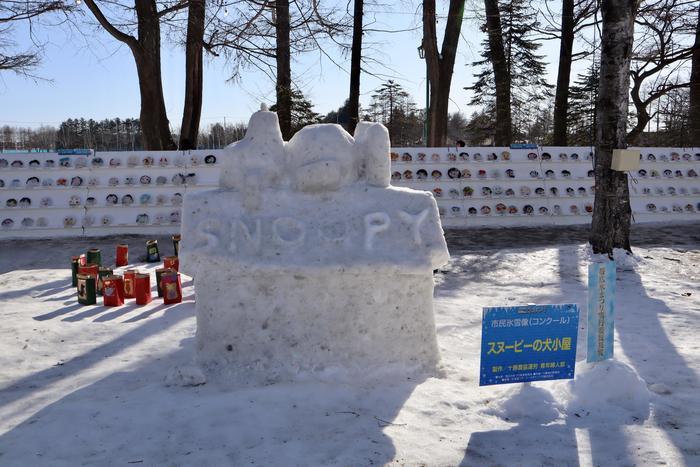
x=306, y=260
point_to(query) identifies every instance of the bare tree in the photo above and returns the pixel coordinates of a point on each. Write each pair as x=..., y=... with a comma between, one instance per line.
x=145, y=48
x=266, y=34
x=440, y=65
x=194, y=74
x=283, y=52
x=574, y=14
x=612, y=213
x=659, y=56
x=355, y=65
x=504, y=131
x=694, y=112
x=14, y=11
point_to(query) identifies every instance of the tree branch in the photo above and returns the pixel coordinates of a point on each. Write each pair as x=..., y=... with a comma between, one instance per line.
x=116, y=33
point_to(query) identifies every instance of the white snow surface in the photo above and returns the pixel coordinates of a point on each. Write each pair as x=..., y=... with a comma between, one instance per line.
x=86, y=385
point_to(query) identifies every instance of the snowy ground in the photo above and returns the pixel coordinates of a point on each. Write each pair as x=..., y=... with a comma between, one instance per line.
x=85, y=385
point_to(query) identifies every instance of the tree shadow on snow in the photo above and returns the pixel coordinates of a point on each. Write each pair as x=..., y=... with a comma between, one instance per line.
x=132, y=417
x=44, y=378
x=41, y=290
x=537, y=439
x=655, y=357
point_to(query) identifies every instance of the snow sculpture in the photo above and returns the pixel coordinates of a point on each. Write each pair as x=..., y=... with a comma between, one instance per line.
x=306, y=260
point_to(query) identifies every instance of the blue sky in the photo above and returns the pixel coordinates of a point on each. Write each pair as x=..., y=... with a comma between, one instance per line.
x=98, y=80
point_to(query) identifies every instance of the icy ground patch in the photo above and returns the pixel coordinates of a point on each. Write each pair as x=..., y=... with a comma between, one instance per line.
x=87, y=385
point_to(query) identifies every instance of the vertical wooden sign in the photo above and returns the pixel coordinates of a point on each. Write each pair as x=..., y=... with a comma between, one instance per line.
x=601, y=311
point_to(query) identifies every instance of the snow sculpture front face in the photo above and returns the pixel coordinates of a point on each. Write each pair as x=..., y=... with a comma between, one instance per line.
x=307, y=261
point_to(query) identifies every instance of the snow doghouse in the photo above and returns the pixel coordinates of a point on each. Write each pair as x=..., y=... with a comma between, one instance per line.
x=306, y=261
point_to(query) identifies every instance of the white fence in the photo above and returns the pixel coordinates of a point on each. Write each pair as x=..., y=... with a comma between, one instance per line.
x=50, y=195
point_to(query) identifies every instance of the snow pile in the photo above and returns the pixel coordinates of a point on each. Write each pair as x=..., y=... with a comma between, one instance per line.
x=186, y=375
x=625, y=260
x=605, y=390
x=525, y=403
x=306, y=261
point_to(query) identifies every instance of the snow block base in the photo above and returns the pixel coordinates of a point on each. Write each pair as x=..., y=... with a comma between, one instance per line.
x=282, y=325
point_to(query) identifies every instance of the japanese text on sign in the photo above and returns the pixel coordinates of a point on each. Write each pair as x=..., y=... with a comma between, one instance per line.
x=528, y=343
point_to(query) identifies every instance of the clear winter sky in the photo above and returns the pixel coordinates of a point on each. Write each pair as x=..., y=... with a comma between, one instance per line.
x=97, y=79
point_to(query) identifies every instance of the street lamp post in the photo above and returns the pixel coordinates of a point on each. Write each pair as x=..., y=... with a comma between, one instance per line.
x=426, y=123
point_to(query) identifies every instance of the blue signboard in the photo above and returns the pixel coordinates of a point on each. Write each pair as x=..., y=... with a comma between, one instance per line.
x=528, y=343
x=73, y=152
x=601, y=311
x=523, y=146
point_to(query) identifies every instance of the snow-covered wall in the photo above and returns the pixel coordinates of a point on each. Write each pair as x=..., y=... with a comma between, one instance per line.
x=306, y=260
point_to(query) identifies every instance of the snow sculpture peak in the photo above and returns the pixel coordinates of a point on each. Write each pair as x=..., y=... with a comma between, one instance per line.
x=263, y=107
x=318, y=158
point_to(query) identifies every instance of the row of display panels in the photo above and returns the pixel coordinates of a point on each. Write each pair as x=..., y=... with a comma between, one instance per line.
x=545, y=154
x=143, y=190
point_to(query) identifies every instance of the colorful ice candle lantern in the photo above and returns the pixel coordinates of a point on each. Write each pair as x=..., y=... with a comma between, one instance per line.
x=113, y=290
x=86, y=289
x=152, y=254
x=94, y=256
x=171, y=287
x=171, y=262
x=122, y=258
x=129, y=276
x=142, y=289
x=176, y=244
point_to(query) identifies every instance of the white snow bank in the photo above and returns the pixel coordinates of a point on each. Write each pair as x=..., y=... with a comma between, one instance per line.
x=624, y=260
x=525, y=403
x=605, y=390
x=186, y=375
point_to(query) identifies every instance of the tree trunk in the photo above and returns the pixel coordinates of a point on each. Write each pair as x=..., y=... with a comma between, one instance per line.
x=283, y=87
x=694, y=112
x=154, y=119
x=561, y=99
x=643, y=117
x=504, y=131
x=155, y=129
x=440, y=65
x=612, y=212
x=192, y=110
x=355, y=66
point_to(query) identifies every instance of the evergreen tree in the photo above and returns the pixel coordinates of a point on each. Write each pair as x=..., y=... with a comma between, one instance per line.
x=392, y=106
x=582, y=106
x=302, y=111
x=529, y=88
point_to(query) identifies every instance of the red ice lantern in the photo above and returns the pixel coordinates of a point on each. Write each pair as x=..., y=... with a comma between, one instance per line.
x=113, y=291
x=171, y=287
x=159, y=274
x=142, y=289
x=90, y=270
x=122, y=255
x=129, y=276
x=171, y=262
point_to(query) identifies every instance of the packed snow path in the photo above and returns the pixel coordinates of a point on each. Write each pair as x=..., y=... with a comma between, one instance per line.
x=86, y=385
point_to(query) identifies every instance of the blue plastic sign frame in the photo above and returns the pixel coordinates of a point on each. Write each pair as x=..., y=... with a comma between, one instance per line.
x=528, y=343
x=601, y=311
